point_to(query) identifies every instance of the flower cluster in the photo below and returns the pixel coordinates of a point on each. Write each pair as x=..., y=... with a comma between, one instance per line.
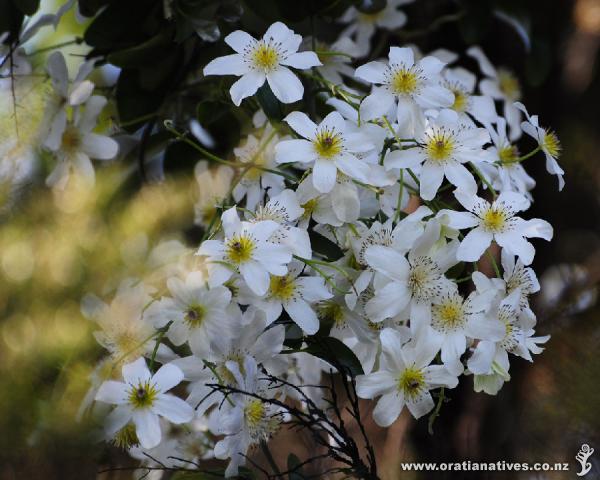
x=389, y=216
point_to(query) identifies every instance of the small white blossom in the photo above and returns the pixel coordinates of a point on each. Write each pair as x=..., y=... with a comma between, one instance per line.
x=265, y=59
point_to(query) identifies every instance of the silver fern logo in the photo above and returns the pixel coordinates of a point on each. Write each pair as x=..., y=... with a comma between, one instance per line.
x=582, y=456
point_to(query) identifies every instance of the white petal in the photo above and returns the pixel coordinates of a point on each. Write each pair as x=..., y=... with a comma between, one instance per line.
x=147, y=427
x=255, y=277
x=112, y=392
x=353, y=167
x=404, y=56
x=473, y=245
x=369, y=386
x=81, y=93
x=117, y=419
x=460, y=177
x=93, y=108
x=432, y=176
x=408, y=158
x=373, y=72
x=388, y=301
x=459, y=220
x=431, y=66
x=167, y=377
x=377, y=104
x=246, y=86
x=324, y=175
x=387, y=261
x=517, y=245
x=301, y=124
x=290, y=151
x=421, y=405
x=388, y=408
x=136, y=372
x=304, y=316
x=439, y=376
x=99, y=147
x=173, y=409
x=57, y=68
x=228, y=65
x=285, y=85
x=239, y=40
x=302, y=60
x=482, y=358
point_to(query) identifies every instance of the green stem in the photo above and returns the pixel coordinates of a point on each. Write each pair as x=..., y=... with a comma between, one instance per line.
x=484, y=180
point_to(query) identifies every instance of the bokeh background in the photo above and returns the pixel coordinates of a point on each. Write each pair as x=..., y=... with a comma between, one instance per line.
x=57, y=246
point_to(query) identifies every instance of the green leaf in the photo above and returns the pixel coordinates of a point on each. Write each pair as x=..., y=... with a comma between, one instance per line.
x=269, y=103
x=28, y=7
x=135, y=102
x=335, y=352
x=143, y=54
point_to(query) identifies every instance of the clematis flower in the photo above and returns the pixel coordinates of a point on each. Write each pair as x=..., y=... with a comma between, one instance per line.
x=443, y=149
x=247, y=250
x=198, y=314
x=265, y=59
x=406, y=88
x=500, y=84
x=362, y=26
x=142, y=399
x=548, y=142
x=77, y=144
x=496, y=222
x=331, y=146
x=405, y=378
x=294, y=294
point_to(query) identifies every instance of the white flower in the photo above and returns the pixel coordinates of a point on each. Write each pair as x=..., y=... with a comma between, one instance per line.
x=198, y=313
x=496, y=222
x=455, y=319
x=362, y=26
x=492, y=356
x=405, y=379
x=500, y=84
x=285, y=209
x=548, y=142
x=249, y=421
x=443, y=148
x=249, y=339
x=507, y=173
x=331, y=145
x=125, y=333
x=247, y=249
x=461, y=83
x=214, y=184
x=66, y=94
x=294, y=294
x=260, y=152
x=414, y=282
x=77, y=144
x=335, y=65
x=142, y=399
x=265, y=59
x=414, y=85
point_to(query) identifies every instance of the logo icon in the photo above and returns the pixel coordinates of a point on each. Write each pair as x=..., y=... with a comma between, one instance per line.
x=582, y=457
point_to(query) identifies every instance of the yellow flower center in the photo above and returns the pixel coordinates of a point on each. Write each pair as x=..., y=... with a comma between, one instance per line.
x=126, y=437
x=369, y=17
x=282, y=288
x=328, y=144
x=71, y=140
x=440, y=146
x=551, y=144
x=411, y=382
x=461, y=100
x=142, y=395
x=447, y=316
x=254, y=413
x=239, y=249
x=332, y=312
x=195, y=315
x=509, y=85
x=309, y=207
x=265, y=56
x=493, y=220
x=405, y=81
x=508, y=154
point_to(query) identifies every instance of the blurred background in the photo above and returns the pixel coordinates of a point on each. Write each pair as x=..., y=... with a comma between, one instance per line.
x=56, y=247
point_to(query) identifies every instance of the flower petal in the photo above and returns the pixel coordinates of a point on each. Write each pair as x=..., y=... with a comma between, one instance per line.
x=285, y=85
